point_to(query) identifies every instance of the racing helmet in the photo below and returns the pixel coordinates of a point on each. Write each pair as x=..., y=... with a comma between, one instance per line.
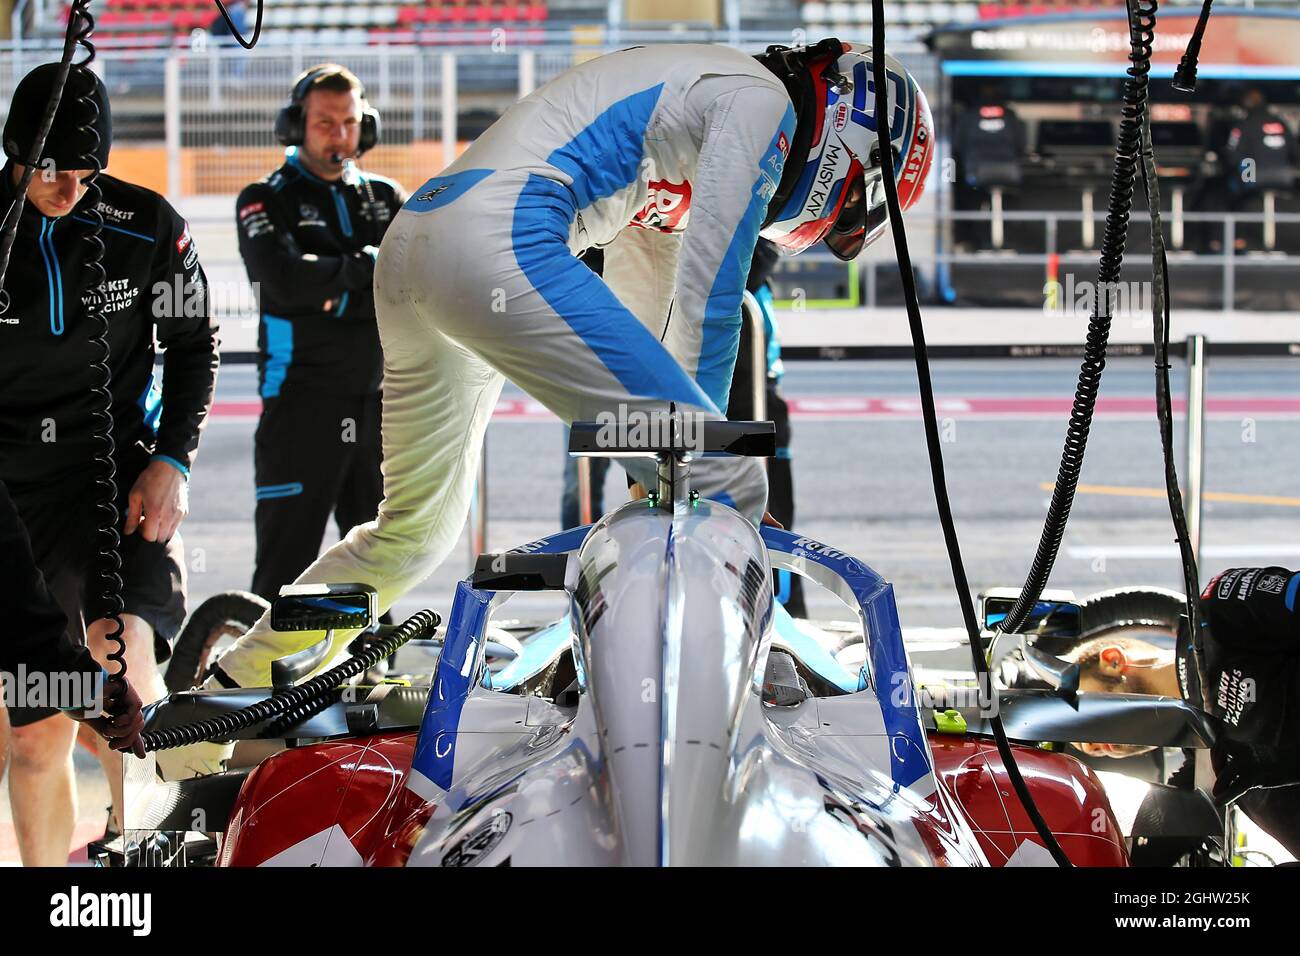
x=838, y=194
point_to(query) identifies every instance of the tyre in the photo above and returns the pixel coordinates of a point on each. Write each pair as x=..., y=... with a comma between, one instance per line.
x=213, y=626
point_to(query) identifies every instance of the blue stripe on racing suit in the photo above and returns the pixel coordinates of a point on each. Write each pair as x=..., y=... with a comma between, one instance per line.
x=602, y=159
x=623, y=344
x=721, y=334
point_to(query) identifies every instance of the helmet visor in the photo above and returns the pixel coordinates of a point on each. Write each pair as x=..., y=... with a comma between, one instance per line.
x=861, y=221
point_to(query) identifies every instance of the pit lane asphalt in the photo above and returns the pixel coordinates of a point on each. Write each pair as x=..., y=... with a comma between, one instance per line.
x=863, y=486
x=862, y=482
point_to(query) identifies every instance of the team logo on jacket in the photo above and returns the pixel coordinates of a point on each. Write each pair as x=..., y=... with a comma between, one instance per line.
x=783, y=144
x=310, y=215
x=183, y=242
x=667, y=206
x=114, y=295
x=112, y=212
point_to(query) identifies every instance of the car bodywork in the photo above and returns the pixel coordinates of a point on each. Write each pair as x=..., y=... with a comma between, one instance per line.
x=637, y=730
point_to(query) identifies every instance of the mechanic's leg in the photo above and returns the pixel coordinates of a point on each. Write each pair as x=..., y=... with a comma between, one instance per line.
x=43, y=790
x=141, y=671
x=437, y=401
x=300, y=458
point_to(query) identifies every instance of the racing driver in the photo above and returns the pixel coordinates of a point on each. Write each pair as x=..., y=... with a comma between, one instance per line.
x=673, y=159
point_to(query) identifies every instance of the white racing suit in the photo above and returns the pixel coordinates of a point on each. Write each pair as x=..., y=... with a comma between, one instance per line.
x=666, y=157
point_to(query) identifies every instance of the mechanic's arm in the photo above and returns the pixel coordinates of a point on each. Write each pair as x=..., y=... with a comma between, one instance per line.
x=187, y=332
x=275, y=261
x=739, y=168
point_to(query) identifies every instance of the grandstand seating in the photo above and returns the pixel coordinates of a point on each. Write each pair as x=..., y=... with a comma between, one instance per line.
x=916, y=17
x=149, y=22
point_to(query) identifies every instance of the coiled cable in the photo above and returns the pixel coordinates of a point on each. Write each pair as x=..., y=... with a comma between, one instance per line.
x=108, y=541
x=1118, y=213
x=298, y=699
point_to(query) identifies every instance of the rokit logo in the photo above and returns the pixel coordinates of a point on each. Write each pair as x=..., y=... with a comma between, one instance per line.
x=667, y=206
x=76, y=909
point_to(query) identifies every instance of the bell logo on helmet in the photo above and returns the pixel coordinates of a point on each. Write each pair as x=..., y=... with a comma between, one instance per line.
x=841, y=116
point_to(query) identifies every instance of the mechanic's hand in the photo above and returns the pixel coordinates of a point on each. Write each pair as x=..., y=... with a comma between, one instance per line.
x=158, y=503
x=121, y=722
x=772, y=522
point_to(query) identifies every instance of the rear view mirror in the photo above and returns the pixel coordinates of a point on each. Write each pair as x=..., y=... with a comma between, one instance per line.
x=324, y=607
x=1055, y=614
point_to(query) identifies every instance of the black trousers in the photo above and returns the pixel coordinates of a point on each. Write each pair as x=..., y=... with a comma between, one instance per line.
x=317, y=453
x=780, y=477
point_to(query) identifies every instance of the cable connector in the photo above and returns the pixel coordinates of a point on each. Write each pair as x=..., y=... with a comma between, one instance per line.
x=1185, y=75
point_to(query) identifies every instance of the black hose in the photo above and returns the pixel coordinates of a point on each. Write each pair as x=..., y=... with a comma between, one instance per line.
x=1123, y=179
x=930, y=419
x=421, y=624
x=1164, y=409
x=239, y=37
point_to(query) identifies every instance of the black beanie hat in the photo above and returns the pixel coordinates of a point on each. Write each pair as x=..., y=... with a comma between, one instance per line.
x=67, y=143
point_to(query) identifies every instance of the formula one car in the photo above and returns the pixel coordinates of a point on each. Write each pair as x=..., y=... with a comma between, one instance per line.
x=675, y=715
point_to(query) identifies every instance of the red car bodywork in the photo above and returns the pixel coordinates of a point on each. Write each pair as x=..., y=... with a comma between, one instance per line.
x=358, y=786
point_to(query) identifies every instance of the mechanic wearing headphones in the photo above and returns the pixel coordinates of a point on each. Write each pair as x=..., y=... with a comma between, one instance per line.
x=309, y=234
x=673, y=159
x=153, y=287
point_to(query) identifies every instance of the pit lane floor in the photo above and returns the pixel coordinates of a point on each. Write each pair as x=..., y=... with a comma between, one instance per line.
x=862, y=484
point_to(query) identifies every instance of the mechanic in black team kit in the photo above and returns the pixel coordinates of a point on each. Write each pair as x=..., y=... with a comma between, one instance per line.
x=153, y=288
x=309, y=234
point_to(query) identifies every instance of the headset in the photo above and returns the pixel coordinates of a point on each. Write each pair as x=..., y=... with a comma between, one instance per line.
x=291, y=124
